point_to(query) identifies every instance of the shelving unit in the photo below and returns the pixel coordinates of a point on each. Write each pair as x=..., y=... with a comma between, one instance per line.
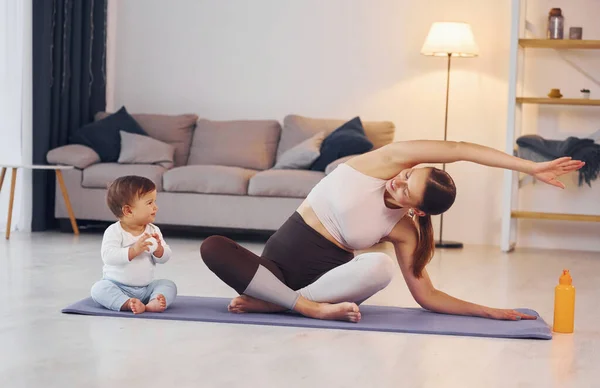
x=510, y=210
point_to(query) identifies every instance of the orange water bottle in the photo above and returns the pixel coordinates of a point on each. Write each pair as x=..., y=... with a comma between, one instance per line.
x=564, y=304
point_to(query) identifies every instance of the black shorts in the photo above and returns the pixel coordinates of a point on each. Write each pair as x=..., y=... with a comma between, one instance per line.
x=303, y=254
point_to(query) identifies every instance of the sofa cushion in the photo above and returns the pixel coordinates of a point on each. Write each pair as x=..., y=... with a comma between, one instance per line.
x=103, y=135
x=207, y=179
x=140, y=149
x=75, y=155
x=249, y=144
x=349, y=139
x=176, y=130
x=297, y=128
x=284, y=183
x=301, y=156
x=99, y=176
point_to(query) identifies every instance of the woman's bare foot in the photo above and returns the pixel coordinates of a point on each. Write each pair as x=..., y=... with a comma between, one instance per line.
x=135, y=305
x=340, y=311
x=345, y=311
x=248, y=304
x=157, y=305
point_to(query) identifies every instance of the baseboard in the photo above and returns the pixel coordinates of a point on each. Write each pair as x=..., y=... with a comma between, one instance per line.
x=168, y=230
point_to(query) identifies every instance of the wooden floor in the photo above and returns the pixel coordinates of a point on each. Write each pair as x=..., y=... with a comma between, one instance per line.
x=40, y=347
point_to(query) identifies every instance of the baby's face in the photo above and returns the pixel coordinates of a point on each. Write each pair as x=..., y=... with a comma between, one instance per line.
x=144, y=209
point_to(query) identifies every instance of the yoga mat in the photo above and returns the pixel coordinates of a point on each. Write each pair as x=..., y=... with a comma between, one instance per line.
x=374, y=318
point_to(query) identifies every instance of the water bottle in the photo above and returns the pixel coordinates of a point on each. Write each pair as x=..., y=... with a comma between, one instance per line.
x=555, y=24
x=564, y=304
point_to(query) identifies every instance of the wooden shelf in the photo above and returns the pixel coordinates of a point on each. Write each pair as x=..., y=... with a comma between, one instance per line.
x=520, y=49
x=558, y=101
x=555, y=216
x=564, y=44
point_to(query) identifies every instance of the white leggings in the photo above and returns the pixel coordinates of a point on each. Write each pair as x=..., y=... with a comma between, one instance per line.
x=355, y=281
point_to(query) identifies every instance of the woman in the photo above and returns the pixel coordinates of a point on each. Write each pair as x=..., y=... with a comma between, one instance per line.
x=308, y=265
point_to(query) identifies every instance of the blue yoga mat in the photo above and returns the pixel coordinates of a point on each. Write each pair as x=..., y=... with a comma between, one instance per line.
x=374, y=318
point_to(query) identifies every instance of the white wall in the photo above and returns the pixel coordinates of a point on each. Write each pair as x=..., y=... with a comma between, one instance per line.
x=335, y=58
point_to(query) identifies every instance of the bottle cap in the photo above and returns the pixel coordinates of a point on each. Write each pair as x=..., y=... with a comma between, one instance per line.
x=565, y=278
x=556, y=12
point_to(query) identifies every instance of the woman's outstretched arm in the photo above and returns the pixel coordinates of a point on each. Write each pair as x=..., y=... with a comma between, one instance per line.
x=389, y=160
x=404, y=238
x=436, y=151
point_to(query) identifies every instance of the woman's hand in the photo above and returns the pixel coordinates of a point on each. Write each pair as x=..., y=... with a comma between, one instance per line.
x=507, y=315
x=548, y=171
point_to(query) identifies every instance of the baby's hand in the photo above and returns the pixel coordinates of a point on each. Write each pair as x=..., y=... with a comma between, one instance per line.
x=140, y=246
x=157, y=238
x=159, y=249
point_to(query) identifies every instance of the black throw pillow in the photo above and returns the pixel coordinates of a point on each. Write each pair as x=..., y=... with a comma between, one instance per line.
x=349, y=139
x=103, y=135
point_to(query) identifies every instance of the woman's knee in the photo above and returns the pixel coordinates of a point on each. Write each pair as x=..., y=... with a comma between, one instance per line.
x=213, y=247
x=381, y=268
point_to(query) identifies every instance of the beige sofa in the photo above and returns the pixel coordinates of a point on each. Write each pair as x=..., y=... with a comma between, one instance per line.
x=222, y=175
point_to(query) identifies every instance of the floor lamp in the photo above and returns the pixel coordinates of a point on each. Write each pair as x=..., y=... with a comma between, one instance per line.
x=449, y=39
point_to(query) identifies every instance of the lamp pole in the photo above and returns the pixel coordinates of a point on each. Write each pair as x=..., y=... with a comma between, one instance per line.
x=441, y=243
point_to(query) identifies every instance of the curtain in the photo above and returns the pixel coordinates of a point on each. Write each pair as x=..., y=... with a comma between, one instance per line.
x=69, y=84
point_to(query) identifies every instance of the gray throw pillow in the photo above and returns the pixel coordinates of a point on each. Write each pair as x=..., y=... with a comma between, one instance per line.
x=76, y=155
x=140, y=149
x=302, y=155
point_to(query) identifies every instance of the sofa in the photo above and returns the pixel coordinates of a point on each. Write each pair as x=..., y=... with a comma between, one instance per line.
x=222, y=174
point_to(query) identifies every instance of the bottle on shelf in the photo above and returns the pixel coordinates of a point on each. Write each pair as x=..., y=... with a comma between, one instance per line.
x=555, y=24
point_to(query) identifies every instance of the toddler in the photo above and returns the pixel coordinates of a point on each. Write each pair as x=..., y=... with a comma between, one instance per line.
x=131, y=248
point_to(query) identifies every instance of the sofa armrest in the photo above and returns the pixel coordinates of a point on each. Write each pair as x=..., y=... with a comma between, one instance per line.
x=331, y=166
x=75, y=155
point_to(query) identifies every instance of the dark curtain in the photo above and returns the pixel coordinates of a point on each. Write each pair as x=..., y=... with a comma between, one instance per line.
x=69, y=84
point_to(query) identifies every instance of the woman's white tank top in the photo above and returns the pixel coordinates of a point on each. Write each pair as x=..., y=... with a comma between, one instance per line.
x=351, y=206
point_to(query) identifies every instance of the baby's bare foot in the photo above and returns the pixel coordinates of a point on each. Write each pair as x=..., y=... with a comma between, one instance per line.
x=135, y=305
x=157, y=305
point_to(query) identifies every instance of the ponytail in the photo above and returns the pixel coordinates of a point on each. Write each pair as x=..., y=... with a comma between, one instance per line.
x=424, y=250
x=439, y=195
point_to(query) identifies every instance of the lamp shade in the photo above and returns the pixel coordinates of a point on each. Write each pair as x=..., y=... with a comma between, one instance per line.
x=450, y=38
